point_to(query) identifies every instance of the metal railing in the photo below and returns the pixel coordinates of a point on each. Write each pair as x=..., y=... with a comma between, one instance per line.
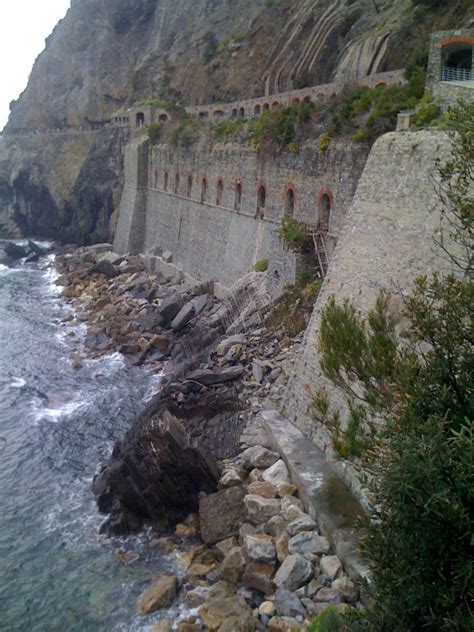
x=456, y=74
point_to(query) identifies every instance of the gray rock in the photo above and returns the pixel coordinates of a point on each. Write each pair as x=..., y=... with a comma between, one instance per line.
x=260, y=548
x=208, y=377
x=328, y=595
x=221, y=514
x=201, y=302
x=183, y=317
x=106, y=268
x=304, y=523
x=330, y=566
x=277, y=473
x=258, y=457
x=293, y=573
x=257, y=372
x=287, y=604
x=99, y=249
x=112, y=257
x=308, y=544
x=347, y=588
x=170, y=307
x=160, y=595
x=275, y=526
x=224, y=346
x=261, y=509
x=233, y=565
x=167, y=256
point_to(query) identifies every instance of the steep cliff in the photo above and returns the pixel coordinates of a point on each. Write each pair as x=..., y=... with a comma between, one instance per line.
x=108, y=54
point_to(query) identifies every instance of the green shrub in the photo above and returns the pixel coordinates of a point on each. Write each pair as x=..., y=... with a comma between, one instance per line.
x=295, y=234
x=324, y=142
x=186, y=133
x=211, y=44
x=155, y=131
x=261, y=266
x=227, y=130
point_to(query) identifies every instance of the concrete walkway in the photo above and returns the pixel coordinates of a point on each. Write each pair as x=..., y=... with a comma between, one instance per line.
x=327, y=498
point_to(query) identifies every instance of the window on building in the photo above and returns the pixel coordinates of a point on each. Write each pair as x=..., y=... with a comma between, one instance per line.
x=203, y=190
x=289, y=203
x=238, y=196
x=219, y=192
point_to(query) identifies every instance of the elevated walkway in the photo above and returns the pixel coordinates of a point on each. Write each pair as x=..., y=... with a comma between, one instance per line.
x=326, y=497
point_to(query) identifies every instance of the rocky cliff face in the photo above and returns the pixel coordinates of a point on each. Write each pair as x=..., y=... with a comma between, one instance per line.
x=107, y=54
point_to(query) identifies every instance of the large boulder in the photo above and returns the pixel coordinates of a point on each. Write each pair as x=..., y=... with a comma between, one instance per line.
x=221, y=514
x=259, y=457
x=233, y=565
x=170, y=307
x=183, y=317
x=287, y=604
x=14, y=251
x=293, y=573
x=218, y=610
x=308, y=544
x=260, y=548
x=106, y=268
x=207, y=377
x=277, y=473
x=261, y=509
x=160, y=595
x=259, y=576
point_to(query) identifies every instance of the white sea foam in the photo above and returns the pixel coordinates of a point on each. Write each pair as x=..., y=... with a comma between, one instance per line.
x=18, y=382
x=55, y=414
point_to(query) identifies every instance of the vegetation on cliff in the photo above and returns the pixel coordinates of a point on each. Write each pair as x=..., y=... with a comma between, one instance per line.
x=415, y=375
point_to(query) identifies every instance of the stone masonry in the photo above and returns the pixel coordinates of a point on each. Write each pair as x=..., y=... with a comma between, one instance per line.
x=387, y=241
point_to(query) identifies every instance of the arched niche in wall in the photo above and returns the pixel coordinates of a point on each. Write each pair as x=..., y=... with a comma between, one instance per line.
x=325, y=206
x=307, y=99
x=261, y=198
x=266, y=106
x=203, y=190
x=235, y=113
x=257, y=110
x=203, y=114
x=163, y=118
x=189, y=190
x=275, y=104
x=165, y=181
x=238, y=195
x=289, y=200
x=139, y=119
x=219, y=191
x=176, y=183
x=457, y=59
x=242, y=113
x=156, y=178
x=295, y=101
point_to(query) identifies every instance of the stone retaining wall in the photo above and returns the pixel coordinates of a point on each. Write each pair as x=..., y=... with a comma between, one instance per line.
x=211, y=235
x=388, y=240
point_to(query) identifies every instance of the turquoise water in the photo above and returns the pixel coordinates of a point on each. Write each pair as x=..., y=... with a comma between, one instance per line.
x=56, y=425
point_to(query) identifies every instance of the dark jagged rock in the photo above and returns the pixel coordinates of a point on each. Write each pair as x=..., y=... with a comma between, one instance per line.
x=221, y=514
x=37, y=249
x=171, y=307
x=14, y=251
x=209, y=377
x=105, y=267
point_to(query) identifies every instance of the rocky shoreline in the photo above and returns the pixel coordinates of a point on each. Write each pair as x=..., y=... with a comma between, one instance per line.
x=197, y=458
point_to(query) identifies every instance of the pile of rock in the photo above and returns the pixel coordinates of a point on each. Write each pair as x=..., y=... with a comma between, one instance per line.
x=265, y=565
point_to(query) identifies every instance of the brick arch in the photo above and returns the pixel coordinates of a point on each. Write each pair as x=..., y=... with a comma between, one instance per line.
x=219, y=191
x=262, y=195
x=238, y=188
x=457, y=40
x=323, y=210
x=289, y=199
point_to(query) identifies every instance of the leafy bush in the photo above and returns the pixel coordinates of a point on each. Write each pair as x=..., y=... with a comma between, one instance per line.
x=211, y=44
x=227, y=130
x=261, y=266
x=186, y=133
x=295, y=234
x=155, y=131
x=324, y=142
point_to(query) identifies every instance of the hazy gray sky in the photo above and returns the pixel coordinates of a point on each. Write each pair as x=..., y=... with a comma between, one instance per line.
x=24, y=25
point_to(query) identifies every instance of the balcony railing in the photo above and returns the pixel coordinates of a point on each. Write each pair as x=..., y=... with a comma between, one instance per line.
x=456, y=74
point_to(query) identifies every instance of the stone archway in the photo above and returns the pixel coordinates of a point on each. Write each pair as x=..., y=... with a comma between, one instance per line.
x=242, y=113
x=325, y=207
x=163, y=118
x=289, y=201
x=203, y=190
x=457, y=59
x=219, y=191
x=176, y=184
x=238, y=195
x=261, y=198
x=139, y=119
x=190, y=185
x=257, y=110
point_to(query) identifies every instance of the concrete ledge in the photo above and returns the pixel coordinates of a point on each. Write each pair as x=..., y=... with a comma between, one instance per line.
x=326, y=497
